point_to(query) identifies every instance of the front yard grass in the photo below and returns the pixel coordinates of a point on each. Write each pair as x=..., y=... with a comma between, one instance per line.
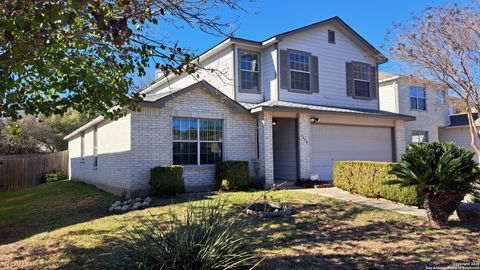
x=68, y=227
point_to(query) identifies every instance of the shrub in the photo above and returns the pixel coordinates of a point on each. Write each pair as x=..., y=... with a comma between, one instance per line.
x=53, y=176
x=232, y=175
x=167, y=180
x=368, y=178
x=204, y=238
x=442, y=172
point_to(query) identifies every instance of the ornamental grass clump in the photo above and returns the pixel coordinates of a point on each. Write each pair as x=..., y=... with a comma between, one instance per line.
x=203, y=237
x=442, y=173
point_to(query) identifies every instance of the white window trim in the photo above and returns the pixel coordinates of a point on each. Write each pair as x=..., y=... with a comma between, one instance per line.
x=95, y=147
x=259, y=87
x=417, y=98
x=361, y=80
x=198, y=140
x=417, y=133
x=82, y=147
x=290, y=69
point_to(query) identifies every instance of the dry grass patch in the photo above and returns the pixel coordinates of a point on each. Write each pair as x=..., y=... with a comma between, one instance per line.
x=321, y=234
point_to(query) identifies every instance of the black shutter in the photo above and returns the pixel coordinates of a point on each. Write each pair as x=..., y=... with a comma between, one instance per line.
x=283, y=69
x=349, y=79
x=314, y=79
x=373, y=82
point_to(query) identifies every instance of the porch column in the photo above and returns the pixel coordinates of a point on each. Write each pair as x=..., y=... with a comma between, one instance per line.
x=400, y=143
x=265, y=144
x=304, y=146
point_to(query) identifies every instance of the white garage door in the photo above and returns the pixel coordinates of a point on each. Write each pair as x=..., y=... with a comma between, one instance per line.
x=332, y=143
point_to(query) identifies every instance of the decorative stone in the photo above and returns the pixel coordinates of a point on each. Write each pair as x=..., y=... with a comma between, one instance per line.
x=469, y=213
x=145, y=204
x=117, y=208
x=117, y=203
x=137, y=200
x=148, y=200
x=268, y=209
x=136, y=205
x=125, y=208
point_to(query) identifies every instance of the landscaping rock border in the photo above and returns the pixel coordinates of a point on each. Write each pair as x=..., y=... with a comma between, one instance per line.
x=130, y=204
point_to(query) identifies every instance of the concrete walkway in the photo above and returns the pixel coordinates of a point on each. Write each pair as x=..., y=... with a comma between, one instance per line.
x=337, y=193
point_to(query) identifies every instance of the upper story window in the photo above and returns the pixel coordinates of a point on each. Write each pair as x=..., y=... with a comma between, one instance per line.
x=249, y=71
x=417, y=98
x=331, y=36
x=197, y=141
x=299, y=64
x=361, y=79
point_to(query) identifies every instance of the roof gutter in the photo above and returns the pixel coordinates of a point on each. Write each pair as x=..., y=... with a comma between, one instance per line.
x=90, y=124
x=305, y=110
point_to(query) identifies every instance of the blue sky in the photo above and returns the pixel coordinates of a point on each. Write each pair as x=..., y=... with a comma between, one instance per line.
x=370, y=18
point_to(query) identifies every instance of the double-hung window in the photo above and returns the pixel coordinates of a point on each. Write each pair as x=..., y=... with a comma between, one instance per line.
x=299, y=65
x=197, y=141
x=361, y=79
x=82, y=146
x=417, y=98
x=95, y=147
x=249, y=71
x=419, y=136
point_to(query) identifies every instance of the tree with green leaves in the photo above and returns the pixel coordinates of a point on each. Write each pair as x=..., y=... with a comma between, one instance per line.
x=39, y=134
x=442, y=173
x=84, y=54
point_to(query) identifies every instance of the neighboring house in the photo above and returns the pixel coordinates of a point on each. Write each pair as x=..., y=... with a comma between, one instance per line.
x=429, y=102
x=426, y=100
x=290, y=105
x=458, y=131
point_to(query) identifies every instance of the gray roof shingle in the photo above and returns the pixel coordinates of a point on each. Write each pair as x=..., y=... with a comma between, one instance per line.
x=320, y=108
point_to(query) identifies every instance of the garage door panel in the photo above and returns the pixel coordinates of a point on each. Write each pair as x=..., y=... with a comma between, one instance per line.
x=332, y=143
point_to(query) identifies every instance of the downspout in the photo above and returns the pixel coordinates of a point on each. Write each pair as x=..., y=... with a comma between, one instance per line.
x=234, y=80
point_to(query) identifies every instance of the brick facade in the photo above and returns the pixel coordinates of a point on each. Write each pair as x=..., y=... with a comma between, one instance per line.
x=152, y=138
x=265, y=142
x=304, y=145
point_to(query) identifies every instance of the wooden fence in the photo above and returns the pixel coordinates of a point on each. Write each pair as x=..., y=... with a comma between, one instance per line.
x=21, y=171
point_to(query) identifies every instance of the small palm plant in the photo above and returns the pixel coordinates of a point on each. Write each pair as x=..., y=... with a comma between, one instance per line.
x=442, y=173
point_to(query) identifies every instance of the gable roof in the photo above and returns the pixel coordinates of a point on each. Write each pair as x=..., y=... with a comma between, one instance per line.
x=380, y=57
x=159, y=100
x=275, y=39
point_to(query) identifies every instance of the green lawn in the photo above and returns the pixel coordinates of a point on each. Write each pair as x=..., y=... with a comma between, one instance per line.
x=66, y=225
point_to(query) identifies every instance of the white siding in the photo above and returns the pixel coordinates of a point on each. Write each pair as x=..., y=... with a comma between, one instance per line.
x=114, y=156
x=331, y=60
x=460, y=136
x=221, y=78
x=250, y=97
x=388, y=97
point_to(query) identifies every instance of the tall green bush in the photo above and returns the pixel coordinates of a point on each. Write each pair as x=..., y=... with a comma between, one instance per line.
x=167, y=180
x=368, y=178
x=232, y=175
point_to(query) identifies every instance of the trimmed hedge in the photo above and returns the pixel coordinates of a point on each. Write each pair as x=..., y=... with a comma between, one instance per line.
x=368, y=178
x=167, y=180
x=232, y=175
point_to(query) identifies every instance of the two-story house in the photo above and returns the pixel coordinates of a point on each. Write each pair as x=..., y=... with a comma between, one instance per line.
x=426, y=100
x=291, y=105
